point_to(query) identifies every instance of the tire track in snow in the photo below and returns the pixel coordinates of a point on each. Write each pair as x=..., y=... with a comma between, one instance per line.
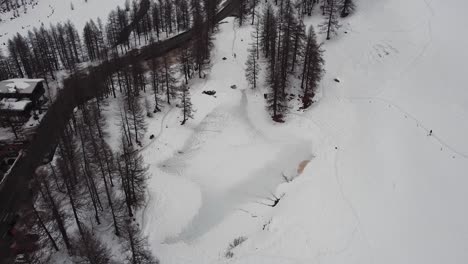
x=345, y=197
x=245, y=116
x=161, y=130
x=235, y=37
x=370, y=57
x=418, y=122
x=428, y=43
x=440, y=140
x=330, y=136
x=323, y=253
x=234, y=45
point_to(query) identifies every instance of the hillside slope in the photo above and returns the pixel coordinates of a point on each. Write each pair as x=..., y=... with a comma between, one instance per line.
x=48, y=12
x=378, y=188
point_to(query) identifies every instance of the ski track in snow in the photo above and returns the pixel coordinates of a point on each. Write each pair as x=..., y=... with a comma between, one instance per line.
x=349, y=183
x=329, y=133
x=419, y=123
x=443, y=143
x=429, y=41
x=161, y=130
x=234, y=38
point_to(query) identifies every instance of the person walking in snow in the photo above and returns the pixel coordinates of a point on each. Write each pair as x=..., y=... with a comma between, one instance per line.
x=430, y=133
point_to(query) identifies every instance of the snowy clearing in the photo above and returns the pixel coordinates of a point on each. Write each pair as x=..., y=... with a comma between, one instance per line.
x=377, y=188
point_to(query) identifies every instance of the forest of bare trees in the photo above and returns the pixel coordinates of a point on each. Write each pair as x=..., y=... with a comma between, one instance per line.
x=45, y=50
x=90, y=186
x=16, y=8
x=289, y=49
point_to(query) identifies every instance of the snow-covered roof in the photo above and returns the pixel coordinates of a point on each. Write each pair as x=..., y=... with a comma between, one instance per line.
x=13, y=104
x=25, y=86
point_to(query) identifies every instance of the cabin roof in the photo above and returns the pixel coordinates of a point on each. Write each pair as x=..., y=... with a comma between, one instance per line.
x=23, y=86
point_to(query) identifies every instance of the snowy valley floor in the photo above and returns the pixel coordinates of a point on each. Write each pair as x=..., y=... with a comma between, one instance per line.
x=378, y=189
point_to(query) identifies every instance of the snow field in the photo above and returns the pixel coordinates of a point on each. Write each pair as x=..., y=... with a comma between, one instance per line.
x=378, y=189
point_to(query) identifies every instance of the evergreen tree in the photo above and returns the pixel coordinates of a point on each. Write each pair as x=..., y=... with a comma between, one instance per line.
x=312, y=69
x=253, y=7
x=136, y=116
x=168, y=16
x=330, y=24
x=211, y=9
x=298, y=43
x=91, y=250
x=346, y=7
x=137, y=246
x=253, y=67
x=242, y=11
x=308, y=6
x=201, y=43
x=156, y=18
x=168, y=80
x=185, y=64
x=133, y=175
x=5, y=67
x=268, y=30
x=155, y=82
x=51, y=201
x=186, y=104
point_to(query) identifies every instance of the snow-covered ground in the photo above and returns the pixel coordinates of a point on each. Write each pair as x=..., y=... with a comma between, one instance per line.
x=378, y=189
x=48, y=12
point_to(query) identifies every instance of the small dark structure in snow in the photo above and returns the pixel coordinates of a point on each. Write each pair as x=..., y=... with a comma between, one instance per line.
x=210, y=92
x=233, y=86
x=152, y=136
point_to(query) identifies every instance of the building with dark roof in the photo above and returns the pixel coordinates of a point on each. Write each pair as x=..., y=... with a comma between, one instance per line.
x=17, y=98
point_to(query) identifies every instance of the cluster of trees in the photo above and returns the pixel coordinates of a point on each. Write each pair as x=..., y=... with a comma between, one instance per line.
x=290, y=49
x=345, y=7
x=281, y=36
x=43, y=51
x=161, y=75
x=89, y=185
x=15, y=6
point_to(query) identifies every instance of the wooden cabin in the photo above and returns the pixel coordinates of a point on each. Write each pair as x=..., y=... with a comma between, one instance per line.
x=18, y=97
